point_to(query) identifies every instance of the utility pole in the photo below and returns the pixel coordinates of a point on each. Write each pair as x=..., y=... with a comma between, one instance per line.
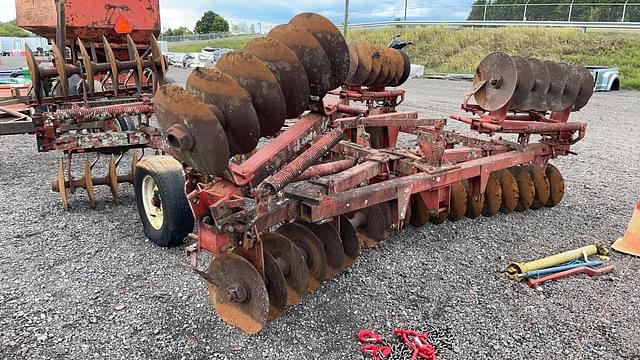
x=346, y=17
x=405, y=9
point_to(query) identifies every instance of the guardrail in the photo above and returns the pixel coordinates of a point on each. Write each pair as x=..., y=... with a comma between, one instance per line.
x=497, y=23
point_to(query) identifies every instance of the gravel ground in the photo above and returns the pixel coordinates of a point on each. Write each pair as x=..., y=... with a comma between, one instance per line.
x=87, y=284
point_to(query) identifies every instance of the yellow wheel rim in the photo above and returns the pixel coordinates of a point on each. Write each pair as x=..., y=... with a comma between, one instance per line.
x=152, y=202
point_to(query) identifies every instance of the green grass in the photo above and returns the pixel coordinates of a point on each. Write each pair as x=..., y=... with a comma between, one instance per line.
x=441, y=49
x=235, y=43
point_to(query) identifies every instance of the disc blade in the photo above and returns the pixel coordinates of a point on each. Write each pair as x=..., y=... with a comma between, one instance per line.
x=492, y=197
x=510, y=191
x=376, y=66
x=158, y=60
x=374, y=227
x=311, y=55
x=332, y=42
x=558, y=79
x=179, y=109
x=406, y=69
x=385, y=67
x=276, y=286
x=586, y=88
x=287, y=69
x=62, y=188
x=541, y=183
x=312, y=249
x=525, y=82
x=500, y=75
x=572, y=88
x=526, y=188
x=556, y=185
x=132, y=49
x=113, y=63
x=419, y=211
x=353, y=66
x=228, y=273
x=239, y=118
x=458, y=202
x=34, y=70
x=256, y=78
x=332, y=245
x=350, y=242
x=60, y=61
x=365, y=63
x=291, y=262
x=538, y=98
x=113, y=179
x=474, y=204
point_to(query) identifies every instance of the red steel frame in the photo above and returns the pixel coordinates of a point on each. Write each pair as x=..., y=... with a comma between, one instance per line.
x=441, y=158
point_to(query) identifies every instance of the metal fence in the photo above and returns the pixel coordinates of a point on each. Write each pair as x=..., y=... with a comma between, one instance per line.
x=202, y=37
x=570, y=10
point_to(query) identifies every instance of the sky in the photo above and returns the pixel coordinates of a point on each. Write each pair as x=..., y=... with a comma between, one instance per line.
x=269, y=13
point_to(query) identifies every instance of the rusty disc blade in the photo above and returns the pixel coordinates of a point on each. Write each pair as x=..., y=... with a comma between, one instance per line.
x=525, y=82
x=311, y=55
x=60, y=62
x=474, y=204
x=365, y=63
x=239, y=118
x=538, y=98
x=34, y=70
x=586, y=88
x=371, y=225
x=394, y=61
x=556, y=185
x=541, y=182
x=350, y=242
x=492, y=197
x=113, y=179
x=256, y=78
x=353, y=66
x=386, y=67
x=291, y=262
x=62, y=188
x=406, y=69
x=558, y=82
x=135, y=56
x=332, y=245
x=510, y=191
x=276, y=286
x=499, y=73
x=158, y=60
x=332, y=42
x=88, y=67
x=571, y=90
x=113, y=63
x=287, y=69
x=526, y=187
x=376, y=66
x=458, y=202
x=238, y=293
x=312, y=250
x=192, y=129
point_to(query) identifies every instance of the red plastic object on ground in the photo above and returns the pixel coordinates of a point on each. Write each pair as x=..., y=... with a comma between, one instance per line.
x=563, y=274
x=418, y=342
x=377, y=352
x=369, y=337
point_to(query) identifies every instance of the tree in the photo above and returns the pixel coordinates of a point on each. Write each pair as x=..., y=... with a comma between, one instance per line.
x=10, y=29
x=211, y=22
x=181, y=31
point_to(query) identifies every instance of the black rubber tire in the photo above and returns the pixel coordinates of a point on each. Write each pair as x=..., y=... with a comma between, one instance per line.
x=177, y=216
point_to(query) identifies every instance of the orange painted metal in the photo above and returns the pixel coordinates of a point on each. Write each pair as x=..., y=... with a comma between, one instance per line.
x=90, y=20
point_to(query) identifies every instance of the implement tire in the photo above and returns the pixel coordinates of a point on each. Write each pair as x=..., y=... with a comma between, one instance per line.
x=162, y=204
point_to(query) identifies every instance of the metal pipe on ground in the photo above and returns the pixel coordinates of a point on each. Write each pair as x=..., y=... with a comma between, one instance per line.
x=554, y=260
x=564, y=274
x=552, y=270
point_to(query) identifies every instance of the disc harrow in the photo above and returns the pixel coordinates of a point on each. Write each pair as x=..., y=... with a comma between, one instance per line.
x=333, y=180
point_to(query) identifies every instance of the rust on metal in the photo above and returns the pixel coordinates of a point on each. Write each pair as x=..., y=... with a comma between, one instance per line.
x=239, y=117
x=558, y=83
x=292, y=263
x=332, y=42
x=524, y=84
x=312, y=250
x=238, y=293
x=365, y=63
x=333, y=248
x=586, y=88
x=538, y=98
x=312, y=56
x=193, y=129
x=276, y=286
x=256, y=78
x=287, y=69
x=495, y=80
